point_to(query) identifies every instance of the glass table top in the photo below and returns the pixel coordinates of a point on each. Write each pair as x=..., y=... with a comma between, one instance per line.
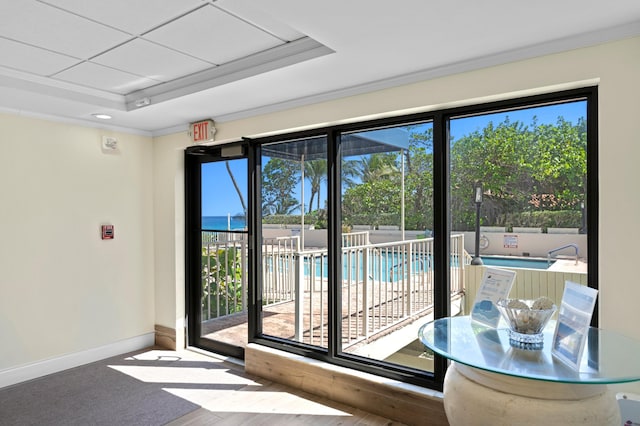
x=608, y=357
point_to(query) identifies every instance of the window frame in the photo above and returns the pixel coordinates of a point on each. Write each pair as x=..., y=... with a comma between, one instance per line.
x=441, y=158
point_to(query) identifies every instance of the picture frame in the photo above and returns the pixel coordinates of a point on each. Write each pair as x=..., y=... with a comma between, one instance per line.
x=572, y=326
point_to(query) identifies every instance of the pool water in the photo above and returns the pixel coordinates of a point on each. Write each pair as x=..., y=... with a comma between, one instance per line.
x=388, y=268
x=515, y=262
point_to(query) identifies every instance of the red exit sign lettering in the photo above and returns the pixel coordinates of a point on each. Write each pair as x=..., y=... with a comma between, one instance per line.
x=202, y=131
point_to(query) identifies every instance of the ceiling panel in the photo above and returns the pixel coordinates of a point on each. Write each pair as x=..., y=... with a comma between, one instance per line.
x=105, y=78
x=135, y=17
x=32, y=59
x=44, y=103
x=213, y=35
x=147, y=59
x=252, y=11
x=41, y=25
x=375, y=46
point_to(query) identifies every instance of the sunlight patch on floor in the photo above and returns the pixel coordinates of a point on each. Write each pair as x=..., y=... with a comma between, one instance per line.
x=188, y=375
x=254, y=401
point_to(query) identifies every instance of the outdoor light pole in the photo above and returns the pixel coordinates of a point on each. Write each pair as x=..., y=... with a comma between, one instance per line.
x=477, y=191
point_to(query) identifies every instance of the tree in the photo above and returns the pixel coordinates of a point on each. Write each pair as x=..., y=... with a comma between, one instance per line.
x=498, y=156
x=419, y=181
x=560, y=166
x=374, y=166
x=372, y=195
x=376, y=202
x=279, y=178
x=221, y=282
x=238, y=191
x=523, y=169
x=315, y=171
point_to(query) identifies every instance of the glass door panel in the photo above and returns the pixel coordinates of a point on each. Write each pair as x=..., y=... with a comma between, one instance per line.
x=387, y=283
x=294, y=241
x=224, y=252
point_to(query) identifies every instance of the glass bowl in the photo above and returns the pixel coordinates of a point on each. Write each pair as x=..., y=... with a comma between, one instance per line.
x=526, y=320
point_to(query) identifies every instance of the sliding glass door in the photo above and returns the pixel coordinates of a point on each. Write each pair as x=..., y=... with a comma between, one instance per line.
x=294, y=294
x=387, y=275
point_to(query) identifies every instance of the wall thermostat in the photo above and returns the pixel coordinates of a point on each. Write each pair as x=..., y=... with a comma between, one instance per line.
x=109, y=144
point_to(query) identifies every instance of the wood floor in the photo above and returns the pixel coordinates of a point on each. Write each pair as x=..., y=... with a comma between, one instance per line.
x=262, y=402
x=208, y=390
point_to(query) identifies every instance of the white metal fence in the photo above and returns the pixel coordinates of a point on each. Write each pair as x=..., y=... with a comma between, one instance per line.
x=382, y=284
x=224, y=283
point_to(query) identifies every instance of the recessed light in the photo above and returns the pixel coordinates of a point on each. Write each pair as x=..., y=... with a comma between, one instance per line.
x=102, y=116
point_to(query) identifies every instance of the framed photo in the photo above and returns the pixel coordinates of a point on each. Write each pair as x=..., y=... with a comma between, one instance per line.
x=572, y=327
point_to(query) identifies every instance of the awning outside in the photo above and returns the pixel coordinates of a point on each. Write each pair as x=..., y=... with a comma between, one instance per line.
x=353, y=144
x=391, y=139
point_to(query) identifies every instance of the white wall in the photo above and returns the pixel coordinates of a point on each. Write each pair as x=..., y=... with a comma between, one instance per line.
x=536, y=245
x=168, y=163
x=63, y=290
x=615, y=67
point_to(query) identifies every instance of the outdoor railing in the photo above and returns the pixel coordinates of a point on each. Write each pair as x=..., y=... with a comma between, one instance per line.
x=224, y=258
x=382, y=284
x=358, y=238
x=279, y=269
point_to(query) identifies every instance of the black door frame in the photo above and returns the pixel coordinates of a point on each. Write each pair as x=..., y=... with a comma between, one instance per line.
x=194, y=157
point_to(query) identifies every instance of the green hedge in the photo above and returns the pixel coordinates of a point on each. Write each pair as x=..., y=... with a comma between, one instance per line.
x=542, y=219
x=539, y=219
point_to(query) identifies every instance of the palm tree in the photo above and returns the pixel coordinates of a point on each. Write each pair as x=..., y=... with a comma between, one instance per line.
x=369, y=168
x=316, y=172
x=235, y=185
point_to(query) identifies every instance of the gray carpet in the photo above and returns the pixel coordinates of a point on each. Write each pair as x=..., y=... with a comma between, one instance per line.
x=94, y=394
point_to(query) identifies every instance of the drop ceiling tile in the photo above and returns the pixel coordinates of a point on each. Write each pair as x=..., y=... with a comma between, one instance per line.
x=31, y=59
x=41, y=25
x=213, y=35
x=104, y=78
x=151, y=60
x=134, y=17
x=252, y=11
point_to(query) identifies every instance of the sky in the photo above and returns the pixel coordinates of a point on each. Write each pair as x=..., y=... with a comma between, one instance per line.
x=545, y=115
x=220, y=197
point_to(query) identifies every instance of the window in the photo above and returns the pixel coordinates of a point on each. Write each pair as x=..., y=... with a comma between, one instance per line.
x=363, y=232
x=519, y=192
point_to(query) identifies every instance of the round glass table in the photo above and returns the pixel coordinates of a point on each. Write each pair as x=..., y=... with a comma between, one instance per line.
x=491, y=382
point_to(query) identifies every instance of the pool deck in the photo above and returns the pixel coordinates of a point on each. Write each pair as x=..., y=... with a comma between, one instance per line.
x=569, y=265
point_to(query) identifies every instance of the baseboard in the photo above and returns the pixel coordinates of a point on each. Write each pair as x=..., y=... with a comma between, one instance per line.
x=37, y=369
x=165, y=337
x=403, y=402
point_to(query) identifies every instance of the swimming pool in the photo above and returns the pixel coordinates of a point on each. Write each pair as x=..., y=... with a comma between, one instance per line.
x=515, y=262
x=386, y=267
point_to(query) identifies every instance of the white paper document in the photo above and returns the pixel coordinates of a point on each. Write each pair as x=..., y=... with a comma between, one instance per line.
x=495, y=285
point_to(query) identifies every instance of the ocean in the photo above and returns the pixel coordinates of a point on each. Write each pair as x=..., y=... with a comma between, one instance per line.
x=223, y=223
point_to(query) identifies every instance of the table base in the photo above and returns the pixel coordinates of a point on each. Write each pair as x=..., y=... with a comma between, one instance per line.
x=478, y=397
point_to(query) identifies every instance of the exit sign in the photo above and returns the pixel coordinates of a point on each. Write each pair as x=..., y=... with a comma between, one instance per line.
x=202, y=131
